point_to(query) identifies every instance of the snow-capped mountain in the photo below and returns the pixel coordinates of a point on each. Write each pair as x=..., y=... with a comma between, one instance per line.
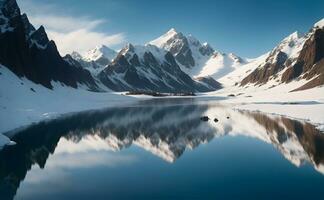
x=282, y=55
x=99, y=53
x=29, y=53
x=197, y=59
x=297, y=57
x=95, y=59
x=149, y=68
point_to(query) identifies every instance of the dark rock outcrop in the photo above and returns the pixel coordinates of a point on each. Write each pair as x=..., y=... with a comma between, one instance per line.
x=262, y=74
x=181, y=50
x=310, y=62
x=204, y=118
x=29, y=53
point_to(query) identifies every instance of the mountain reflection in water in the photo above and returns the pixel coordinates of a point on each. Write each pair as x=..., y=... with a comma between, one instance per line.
x=165, y=128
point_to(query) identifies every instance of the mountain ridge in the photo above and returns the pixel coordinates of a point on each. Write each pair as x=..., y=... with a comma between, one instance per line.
x=296, y=57
x=29, y=53
x=195, y=58
x=172, y=62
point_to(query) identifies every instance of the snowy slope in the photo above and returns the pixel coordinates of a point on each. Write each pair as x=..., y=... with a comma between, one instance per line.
x=23, y=102
x=291, y=45
x=196, y=59
x=219, y=65
x=236, y=76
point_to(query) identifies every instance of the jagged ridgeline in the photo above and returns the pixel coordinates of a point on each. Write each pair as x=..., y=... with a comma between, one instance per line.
x=171, y=63
x=29, y=53
x=297, y=57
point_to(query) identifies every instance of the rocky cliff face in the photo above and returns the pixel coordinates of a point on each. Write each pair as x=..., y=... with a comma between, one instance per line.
x=28, y=52
x=296, y=57
x=310, y=62
x=279, y=59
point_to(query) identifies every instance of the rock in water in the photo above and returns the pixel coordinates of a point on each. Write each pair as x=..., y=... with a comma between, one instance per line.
x=204, y=118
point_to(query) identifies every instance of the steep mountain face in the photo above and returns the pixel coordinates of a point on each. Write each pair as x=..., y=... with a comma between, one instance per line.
x=296, y=57
x=28, y=52
x=95, y=59
x=281, y=57
x=148, y=68
x=196, y=59
x=178, y=45
x=310, y=62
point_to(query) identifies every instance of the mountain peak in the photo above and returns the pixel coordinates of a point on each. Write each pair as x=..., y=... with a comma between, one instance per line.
x=289, y=45
x=99, y=52
x=294, y=36
x=162, y=40
x=172, y=31
x=128, y=47
x=27, y=25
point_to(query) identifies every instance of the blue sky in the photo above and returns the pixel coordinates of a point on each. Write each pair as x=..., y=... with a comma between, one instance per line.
x=248, y=28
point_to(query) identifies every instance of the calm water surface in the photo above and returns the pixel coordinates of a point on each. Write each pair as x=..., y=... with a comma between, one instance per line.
x=161, y=149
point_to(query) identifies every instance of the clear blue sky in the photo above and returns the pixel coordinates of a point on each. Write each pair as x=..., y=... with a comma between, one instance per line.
x=247, y=28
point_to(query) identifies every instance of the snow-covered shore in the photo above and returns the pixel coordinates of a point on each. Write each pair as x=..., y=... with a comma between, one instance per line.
x=303, y=105
x=24, y=103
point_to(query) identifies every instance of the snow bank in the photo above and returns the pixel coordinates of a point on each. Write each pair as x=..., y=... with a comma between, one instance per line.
x=23, y=102
x=313, y=113
x=277, y=99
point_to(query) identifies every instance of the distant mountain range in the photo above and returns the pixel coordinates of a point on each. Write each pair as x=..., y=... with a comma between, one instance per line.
x=196, y=59
x=171, y=63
